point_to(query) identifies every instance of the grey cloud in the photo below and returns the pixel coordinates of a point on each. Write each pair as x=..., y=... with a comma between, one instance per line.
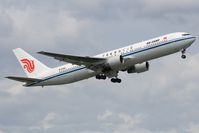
x=6, y=26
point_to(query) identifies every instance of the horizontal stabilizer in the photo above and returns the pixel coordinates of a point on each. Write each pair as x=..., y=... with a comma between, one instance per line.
x=23, y=79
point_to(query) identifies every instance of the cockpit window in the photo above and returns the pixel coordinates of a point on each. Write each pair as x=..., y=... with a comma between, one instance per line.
x=185, y=34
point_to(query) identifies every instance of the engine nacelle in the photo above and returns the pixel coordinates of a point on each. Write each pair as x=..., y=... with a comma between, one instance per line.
x=115, y=62
x=139, y=68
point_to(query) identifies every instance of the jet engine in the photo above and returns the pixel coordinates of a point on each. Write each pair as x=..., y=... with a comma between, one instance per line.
x=139, y=68
x=115, y=62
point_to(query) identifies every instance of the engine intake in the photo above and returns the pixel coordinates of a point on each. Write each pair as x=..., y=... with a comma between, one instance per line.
x=139, y=68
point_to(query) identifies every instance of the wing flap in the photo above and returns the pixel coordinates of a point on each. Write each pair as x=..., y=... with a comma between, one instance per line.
x=23, y=79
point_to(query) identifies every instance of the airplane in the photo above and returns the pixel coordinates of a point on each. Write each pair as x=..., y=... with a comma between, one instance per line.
x=132, y=59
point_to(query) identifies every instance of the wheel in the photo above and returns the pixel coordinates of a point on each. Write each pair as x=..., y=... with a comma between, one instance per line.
x=116, y=80
x=103, y=77
x=119, y=80
x=113, y=80
x=100, y=77
x=97, y=77
x=183, y=56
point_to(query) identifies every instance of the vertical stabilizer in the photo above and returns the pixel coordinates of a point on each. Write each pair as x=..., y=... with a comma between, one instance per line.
x=32, y=67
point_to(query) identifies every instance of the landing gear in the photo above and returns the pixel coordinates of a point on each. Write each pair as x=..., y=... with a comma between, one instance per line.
x=100, y=77
x=111, y=74
x=116, y=80
x=183, y=56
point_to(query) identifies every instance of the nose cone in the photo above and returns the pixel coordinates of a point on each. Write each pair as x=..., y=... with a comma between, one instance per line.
x=193, y=39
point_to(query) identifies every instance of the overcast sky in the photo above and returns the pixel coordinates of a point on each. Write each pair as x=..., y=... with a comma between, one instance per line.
x=163, y=100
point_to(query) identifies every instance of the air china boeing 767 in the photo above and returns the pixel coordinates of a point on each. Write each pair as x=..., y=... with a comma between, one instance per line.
x=133, y=59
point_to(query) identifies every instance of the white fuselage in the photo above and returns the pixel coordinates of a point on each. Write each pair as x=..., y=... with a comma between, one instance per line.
x=132, y=54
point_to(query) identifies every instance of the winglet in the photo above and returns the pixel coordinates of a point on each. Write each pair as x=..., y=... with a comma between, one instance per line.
x=41, y=52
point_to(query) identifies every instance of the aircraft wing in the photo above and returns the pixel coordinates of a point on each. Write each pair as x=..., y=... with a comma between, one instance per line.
x=23, y=79
x=89, y=62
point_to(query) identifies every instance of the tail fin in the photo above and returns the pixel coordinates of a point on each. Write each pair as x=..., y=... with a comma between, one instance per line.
x=32, y=67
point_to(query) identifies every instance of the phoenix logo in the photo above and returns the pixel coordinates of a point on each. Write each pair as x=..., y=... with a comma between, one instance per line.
x=28, y=65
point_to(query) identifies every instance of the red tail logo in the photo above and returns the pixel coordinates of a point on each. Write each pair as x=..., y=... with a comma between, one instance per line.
x=28, y=65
